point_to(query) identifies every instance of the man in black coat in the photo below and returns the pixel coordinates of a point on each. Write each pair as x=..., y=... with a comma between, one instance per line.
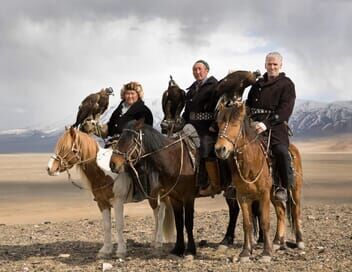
x=271, y=101
x=201, y=100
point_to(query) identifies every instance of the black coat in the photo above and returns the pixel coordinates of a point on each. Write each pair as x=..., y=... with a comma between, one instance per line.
x=277, y=96
x=201, y=100
x=137, y=111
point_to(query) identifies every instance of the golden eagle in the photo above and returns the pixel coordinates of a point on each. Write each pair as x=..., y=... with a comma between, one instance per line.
x=93, y=106
x=173, y=101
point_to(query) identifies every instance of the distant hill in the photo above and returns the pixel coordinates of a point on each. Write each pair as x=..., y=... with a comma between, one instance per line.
x=310, y=119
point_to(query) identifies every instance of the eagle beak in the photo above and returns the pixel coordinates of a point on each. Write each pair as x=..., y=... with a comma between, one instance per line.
x=110, y=91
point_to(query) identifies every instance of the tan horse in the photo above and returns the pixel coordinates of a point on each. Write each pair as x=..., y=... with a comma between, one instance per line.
x=109, y=189
x=252, y=178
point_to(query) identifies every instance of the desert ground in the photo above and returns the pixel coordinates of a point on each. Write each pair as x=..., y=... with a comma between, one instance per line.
x=47, y=224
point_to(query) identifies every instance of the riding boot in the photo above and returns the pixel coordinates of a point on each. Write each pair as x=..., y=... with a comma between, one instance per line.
x=284, y=171
x=214, y=186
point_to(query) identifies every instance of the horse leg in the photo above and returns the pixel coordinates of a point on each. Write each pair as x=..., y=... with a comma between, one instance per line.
x=179, y=248
x=258, y=232
x=121, y=244
x=189, y=216
x=265, y=226
x=107, y=248
x=234, y=210
x=247, y=229
x=296, y=210
x=159, y=216
x=279, y=240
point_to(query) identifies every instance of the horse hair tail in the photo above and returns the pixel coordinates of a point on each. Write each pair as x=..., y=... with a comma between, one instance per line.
x=169, y=222
x=289, y=211
x=255, y=218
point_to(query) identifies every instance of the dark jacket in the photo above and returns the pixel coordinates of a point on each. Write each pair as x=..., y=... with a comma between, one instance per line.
x=277, y=97
x=201, y=102
x=137, y=111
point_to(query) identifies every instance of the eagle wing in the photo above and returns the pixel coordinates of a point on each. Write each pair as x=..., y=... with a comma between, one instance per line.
x=88, y=107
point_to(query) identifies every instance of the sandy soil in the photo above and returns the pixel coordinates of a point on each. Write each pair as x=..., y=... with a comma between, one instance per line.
x=64, y=219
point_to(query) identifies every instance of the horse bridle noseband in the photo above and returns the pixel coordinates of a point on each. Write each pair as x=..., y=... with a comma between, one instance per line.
x=139, y=150
x=63, y=162
x=237, y=150
x=135, y=148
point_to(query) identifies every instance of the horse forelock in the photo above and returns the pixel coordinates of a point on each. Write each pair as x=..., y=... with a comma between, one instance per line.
x=85, y=144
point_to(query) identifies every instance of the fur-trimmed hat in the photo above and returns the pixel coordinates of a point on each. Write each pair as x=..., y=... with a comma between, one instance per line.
x=134, y=86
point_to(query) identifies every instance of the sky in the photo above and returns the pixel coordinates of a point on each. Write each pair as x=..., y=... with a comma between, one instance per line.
x=54, y=53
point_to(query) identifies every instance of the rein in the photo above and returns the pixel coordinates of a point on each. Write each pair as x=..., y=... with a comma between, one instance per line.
x=132, y=162
x=64, y=163
x=237, y=150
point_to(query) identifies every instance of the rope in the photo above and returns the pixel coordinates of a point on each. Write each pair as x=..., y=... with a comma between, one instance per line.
x=172, y=187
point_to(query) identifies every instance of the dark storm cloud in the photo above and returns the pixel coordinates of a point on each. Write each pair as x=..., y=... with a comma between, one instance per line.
x=32, y=66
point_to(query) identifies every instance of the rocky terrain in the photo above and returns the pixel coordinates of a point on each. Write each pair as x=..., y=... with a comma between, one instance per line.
x=72, y=246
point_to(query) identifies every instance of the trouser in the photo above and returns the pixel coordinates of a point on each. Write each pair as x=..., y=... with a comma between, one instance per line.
x=282, y=170
x=205, y=153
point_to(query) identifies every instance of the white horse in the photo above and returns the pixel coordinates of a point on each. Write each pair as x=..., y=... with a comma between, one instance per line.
x=109, y=189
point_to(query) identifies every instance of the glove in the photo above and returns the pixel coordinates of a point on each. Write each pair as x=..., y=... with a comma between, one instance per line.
x=260, y=127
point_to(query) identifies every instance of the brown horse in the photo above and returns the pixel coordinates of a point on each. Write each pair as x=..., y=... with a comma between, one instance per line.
x=143, y=148
x=109, y=190
x=252, y=178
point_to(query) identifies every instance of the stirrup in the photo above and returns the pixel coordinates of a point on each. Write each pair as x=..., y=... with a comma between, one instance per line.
x=280, y=194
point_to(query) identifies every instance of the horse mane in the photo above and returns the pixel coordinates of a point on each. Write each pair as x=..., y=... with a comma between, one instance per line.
x=87, y=146
x=232, y=113
x=152, y=139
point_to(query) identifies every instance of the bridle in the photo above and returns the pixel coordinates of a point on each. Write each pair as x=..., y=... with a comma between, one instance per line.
x=63, y=161
x=136, y=147
x=239, y=149
x=135, y=150
x=65, y=164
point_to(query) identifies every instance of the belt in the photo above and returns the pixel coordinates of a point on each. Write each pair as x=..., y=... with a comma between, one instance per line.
x=198, y=116
x=260, y=111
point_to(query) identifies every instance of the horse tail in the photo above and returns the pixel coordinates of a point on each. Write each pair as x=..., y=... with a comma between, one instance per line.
x=256, y=219
x=294, y=194
x=169, y=222
x=289, y=210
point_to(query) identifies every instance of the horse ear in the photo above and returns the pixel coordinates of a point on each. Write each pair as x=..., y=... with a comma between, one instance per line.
x=139, y=124
x=73, y=132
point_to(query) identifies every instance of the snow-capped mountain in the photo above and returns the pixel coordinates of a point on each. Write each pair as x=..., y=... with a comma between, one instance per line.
x=310, y=119
x=321, y=119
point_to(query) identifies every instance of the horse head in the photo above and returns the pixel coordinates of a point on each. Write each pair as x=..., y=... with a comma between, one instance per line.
x=73, y=147
x=230, y=118
x=66, y=153
x=234, y=84
x=129, y=147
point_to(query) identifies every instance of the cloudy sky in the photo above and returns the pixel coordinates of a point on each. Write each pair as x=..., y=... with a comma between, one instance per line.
x=54, y=53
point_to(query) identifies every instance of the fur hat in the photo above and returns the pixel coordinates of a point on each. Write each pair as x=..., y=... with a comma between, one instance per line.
x=134, y=86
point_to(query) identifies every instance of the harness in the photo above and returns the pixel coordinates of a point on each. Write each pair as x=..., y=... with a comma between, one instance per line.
x=239, y=150
x=136, y=147
x=65, y=165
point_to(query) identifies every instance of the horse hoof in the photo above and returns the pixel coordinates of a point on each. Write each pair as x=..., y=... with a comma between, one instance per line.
x=222, y=248
x=157, y=244
x=300, y=245
x=244, y=260
x=104, y=255
x=189, y=258
x=276, y=247
x=265, y=259
x=120, y=255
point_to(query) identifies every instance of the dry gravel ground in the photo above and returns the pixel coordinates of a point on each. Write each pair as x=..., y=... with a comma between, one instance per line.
x=46, y=224
x=72, y=246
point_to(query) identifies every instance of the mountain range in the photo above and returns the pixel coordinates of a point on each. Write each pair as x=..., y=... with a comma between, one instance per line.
x=309, y=119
